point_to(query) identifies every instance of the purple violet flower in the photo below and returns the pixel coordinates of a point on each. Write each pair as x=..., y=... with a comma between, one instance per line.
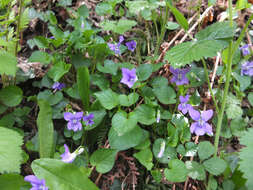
x=247, y=68
x=129, y=77
x=36, y=183
x=158, y=116
x=179, y=76
x=88, y=119
x=200, y=126
x=68, y=157
x=74, y=120
x=183, y=106
x=162, y=149
x=116, y=47
x=245, y=49
x=58, y=86
x=131, y=45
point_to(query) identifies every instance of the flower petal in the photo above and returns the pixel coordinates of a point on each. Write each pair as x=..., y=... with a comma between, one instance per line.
x=32, y=179
x=206, y=115
x=208, y=129
x=195, y=115
x=68, y=116
x=200, y=131
x=193, y=127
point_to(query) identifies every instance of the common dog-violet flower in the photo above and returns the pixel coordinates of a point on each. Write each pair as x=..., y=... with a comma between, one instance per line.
x=36, y=183
x=68, y=157
x=183, y=106
x=116, y=47
x=131, y=45
x=88, y=119
x=129, y=77
x=245, y=49
x=74, y=120
x=247, y=68
x=58, y=86
x=200, y=126
x=179, y=76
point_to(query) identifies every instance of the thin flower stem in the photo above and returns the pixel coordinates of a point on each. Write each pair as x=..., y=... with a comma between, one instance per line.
x=209, y=86
x=224, y=98
x=162, y=33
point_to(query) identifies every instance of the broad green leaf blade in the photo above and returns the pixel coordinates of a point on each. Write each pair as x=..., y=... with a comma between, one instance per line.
x=144, y=71
x=126, y=141
x=62, y=176
x=246, y=157
x=45, y=130
x=215, y=165
x=58, y=70
x=146, y=114
x=208, y=42
x=187, y=52
x=51, y=98
x=83, y=84
x=129, y=100
x=196, y=170
x=179, y=17
x=11, y=181
x=145, y=157
x=205, y=150
x=178, y=171
x=119, y=27
x=165, y=94
x=108, y=99
x=11, y=96
x=103, y=159
x=123, y=122
x=10, y=150
x=8, y=63
x=41, y=57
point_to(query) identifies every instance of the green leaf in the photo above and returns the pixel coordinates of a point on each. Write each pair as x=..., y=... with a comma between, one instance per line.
x=45, y=130
x=209, y=41
x=10, y=150
x=145, y=157
x=62, y=176
x=109, y=67
x=126, y=141
x=157, y=175
x=137, y=6
x=11, y=67
x=165, y=94
x=83, y=11
x=146, y=114
x=250, y=98
x=233, y=108
x=215, y=165
x=11, y=181
x=179, y=17
x=58, y=70
x=178, y=171
x=108, y=98
x=103, y=8
x=123, y=122
x=83, y=84
x=196, y=171
x=172, y=25
x=103, y=159
x=168, y=154
x=238, y=126
x=100, y=81
x=129, y=100
x=244, y=81
x=41, y=57
x=205, y=150
x=119, y=27
x=11, y=96
x=144, y=71
x=246, y=157
x=41, y=42
x=51, y=98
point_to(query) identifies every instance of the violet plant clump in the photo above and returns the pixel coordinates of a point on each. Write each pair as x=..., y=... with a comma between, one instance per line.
x=179, y=76
x=116, y=47
x=128, y=77
x=200, y=126
x=247, y=68
x=37, y=184
x=245, y=49
x=74, y=120
x=183, y=106
x=131, y=45
x=58, y=86
x=68, y=157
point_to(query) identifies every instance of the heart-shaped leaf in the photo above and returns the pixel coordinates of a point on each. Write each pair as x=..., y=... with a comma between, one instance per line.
x=178, y=171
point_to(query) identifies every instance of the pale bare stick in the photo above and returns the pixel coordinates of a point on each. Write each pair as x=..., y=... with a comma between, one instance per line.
x=196, y=23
